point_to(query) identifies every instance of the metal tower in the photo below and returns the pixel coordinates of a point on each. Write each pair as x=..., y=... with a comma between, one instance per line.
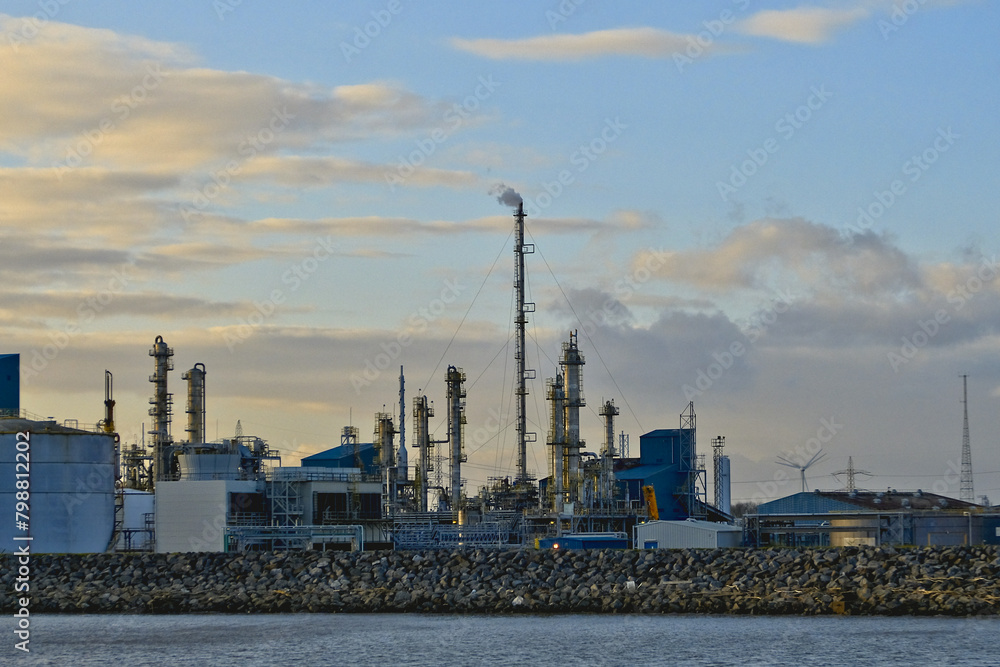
x=455, y=379
x=572, y=370
x=523, y=374
x=161, y=401
x=422, y=411
x=609, y=412
x=802, y=467
x=717, y=444
x=195, y=403
x=851, y=471
x=967, y=494
x=556, y=394
x=691, y=493
x=402, y=461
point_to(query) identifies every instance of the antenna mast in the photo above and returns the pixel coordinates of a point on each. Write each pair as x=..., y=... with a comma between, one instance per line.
x=966, y=492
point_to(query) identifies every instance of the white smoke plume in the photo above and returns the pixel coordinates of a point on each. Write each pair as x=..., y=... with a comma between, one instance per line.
x=506, y=195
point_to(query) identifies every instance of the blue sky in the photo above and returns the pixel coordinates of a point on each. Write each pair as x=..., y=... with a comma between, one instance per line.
x=285, y=200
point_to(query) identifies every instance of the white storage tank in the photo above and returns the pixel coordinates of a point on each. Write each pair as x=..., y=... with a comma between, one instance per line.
x=71, y=487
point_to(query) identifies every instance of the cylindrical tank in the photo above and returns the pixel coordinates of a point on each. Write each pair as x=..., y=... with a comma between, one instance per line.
x=71, y=487
x=725, y=493
x=209, y=466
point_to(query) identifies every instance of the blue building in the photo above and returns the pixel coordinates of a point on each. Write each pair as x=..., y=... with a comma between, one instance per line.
x=343, y=456
x=666, y=462
x=10, y=383
x=855, y=518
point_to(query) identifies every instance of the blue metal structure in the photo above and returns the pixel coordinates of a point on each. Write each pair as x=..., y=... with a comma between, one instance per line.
x=584, y=541
x=342, y=456
x=10, y=383
x=666, y=463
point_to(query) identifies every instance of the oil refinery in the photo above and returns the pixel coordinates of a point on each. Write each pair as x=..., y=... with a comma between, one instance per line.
x=91, y=492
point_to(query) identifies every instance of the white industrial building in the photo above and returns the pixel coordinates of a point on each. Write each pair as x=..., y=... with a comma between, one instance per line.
x=688, y=534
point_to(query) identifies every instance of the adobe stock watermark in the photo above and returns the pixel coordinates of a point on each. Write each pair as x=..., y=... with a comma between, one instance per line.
x=800, y=454
x=223, y=7
x=580, y=159
x=929, y=328
x=899, y=16
x=121, y=109
x=725, y=359
x=249, y=148
x=22, y=533
x=363, y=35
x=951, y=476
x=31, y=25
x=417, y=323
x=86, y=312
x=914, y=168
x=562, y=12
x=489, y=429
x=699, y=44
x=294, y=277
x=453, y=119
x=624, y=289
x=786, y=127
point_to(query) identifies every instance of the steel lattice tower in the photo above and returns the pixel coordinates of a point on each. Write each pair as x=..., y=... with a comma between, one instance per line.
x=717, y=444
x=520, y=319
x=967, y=494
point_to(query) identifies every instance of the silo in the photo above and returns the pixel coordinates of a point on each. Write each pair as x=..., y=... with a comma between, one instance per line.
x=71, y=487
x=725, y=493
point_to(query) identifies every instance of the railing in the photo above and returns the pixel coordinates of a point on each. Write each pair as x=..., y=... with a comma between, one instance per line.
x=325, y=475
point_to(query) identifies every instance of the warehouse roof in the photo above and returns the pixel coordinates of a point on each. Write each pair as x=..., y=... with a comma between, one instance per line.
x=890, y=500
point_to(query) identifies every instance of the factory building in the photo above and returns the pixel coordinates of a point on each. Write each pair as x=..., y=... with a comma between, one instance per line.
x=689, y=534
x=854, y=518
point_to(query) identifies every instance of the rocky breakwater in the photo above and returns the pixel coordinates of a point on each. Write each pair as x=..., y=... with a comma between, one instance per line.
x=852, y=580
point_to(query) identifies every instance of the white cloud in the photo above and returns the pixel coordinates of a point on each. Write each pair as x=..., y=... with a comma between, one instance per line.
x=804, y=25
x=638, y=42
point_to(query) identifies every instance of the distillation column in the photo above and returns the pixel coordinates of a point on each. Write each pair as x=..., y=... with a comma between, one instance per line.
x=572, y=363
x=456, y=431
x=556, y=394
x=161, y=401
x=385, y=459
x=195, y=403
x=422, y=412
x=609, y=412
x=402, y=460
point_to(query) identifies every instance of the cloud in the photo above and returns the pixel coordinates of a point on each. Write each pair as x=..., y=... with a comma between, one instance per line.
x=803, y=25
x=299, y=171
x=775, y=253
x=637, y=42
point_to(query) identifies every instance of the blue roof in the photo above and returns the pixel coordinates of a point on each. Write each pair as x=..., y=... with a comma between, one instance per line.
x=341, y=456
x=805, y=503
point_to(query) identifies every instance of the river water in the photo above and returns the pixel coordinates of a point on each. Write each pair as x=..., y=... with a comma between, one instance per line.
x=413, y=639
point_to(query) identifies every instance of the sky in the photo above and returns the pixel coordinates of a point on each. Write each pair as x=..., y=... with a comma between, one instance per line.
x=780, y=211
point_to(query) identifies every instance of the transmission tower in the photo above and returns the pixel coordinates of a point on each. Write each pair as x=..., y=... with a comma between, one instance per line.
x=967, y=494
x=851, y=471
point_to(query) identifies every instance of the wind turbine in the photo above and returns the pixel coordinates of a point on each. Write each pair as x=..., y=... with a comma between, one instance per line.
x=803, y=467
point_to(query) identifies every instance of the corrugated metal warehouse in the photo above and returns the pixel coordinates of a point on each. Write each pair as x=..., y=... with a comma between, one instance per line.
x=689, y=534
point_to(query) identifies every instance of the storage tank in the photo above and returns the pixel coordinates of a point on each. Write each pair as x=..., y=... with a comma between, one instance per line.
x=71, y=487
